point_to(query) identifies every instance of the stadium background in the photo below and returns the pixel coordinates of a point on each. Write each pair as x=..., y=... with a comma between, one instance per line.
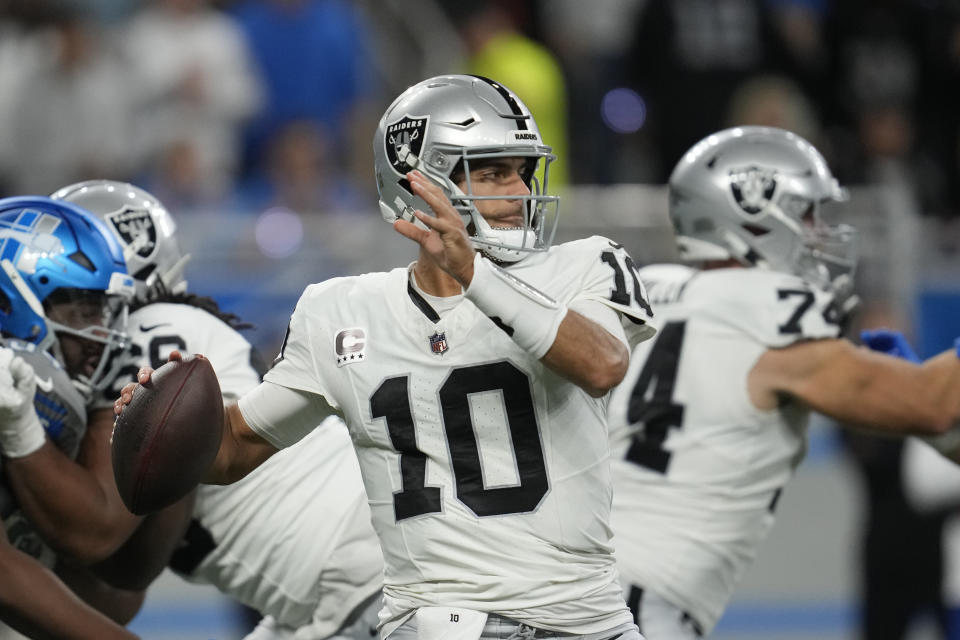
x=252, y=119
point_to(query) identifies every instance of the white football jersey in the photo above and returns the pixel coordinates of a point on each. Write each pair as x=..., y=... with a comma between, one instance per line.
x=697, y=468
x=488, y=474
x=293, y=539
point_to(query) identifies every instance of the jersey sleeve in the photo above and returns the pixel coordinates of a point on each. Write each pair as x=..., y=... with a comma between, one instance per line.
x=296, y=366
x=775, y=309
x=283, y=416
x=611, y=280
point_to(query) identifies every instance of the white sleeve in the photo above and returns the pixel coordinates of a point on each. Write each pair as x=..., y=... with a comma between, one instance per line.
x=283, y=416
x=612, y=280
x=307, y=340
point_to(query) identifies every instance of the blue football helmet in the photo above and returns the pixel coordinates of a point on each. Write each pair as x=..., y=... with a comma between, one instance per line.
x=62, y=274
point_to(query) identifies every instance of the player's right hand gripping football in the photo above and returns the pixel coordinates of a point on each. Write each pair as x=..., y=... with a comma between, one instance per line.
x=143, y=377
x=20, y=430
x=445, y=240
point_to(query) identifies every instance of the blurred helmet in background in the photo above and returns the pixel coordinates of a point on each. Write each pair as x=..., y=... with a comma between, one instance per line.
x=755, y=194
x=142, y=226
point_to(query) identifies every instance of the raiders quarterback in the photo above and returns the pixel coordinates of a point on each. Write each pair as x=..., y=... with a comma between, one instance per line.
x=711, y=419
x=474, y=382
x=292, y=540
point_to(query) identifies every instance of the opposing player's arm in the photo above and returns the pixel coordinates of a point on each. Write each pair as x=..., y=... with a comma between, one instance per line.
x=36, y=603
x=861, y=387
x=74, y=505
x=120, y=605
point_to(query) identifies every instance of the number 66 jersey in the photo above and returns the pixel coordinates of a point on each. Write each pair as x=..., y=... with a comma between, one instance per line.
x=487, y=474
x=697, y=468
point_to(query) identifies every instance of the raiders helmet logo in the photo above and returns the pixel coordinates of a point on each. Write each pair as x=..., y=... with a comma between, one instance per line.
x=753, y=187
x=135, y=227
x=404, y=137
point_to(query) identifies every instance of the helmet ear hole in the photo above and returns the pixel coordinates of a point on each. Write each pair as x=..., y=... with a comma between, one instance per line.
x=6, y=307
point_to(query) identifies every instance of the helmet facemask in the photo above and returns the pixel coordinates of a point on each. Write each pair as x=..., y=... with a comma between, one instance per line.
x=506, y=244
x=86, y=331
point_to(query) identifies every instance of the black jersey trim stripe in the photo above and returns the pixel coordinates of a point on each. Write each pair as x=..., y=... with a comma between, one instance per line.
x=422, y=304
x=512, y=103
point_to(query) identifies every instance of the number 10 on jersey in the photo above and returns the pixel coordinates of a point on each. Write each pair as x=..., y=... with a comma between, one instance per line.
x=391, y=401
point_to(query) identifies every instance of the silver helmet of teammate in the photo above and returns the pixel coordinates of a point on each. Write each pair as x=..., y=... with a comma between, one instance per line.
x=754, y=194
x=443, y=125
x=144, y=228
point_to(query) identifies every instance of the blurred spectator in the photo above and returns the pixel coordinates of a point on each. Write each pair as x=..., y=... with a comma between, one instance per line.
x=300, y=176
x=498, y=50
x=774, y=101
x=689, y=56
x=315, y=60
x=66, y=106
x=195, y=87
x=591, y=46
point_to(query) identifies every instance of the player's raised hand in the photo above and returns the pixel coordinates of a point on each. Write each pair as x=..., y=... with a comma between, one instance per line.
x=20, y=430
x=445, y=240
x=143, y=377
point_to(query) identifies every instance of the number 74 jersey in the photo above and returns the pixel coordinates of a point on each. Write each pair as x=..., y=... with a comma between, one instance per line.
x=487, y=474
x=697, y=468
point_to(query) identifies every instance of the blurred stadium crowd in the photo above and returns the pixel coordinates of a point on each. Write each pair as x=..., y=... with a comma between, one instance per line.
x=239, y=105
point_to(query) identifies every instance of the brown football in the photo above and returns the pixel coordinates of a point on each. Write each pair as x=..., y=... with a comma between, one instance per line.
x=167, y=437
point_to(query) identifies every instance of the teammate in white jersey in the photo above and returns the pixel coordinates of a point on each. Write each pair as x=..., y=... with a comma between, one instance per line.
x=63, y=285
x=474, y=382
x=711, y=419
x=292, y=540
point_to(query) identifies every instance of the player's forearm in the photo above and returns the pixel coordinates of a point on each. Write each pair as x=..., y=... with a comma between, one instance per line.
x=36, y=603
x=146, y=553
x=68, y=505
x=241, y=450
x=120, y=605
x=588, y=355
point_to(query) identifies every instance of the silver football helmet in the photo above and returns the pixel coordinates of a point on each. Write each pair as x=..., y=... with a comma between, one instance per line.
x=142, y=226
x=439, y=127
x=754, y=194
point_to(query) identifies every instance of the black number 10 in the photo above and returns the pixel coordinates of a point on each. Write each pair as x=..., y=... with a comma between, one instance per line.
x=391, y=401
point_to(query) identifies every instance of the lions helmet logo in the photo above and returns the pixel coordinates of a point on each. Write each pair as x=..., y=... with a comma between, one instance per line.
x=752, y=188
x=135, y=227
x=404, y=137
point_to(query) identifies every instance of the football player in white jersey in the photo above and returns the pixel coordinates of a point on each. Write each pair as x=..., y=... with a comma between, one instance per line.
x=710, y=421
x=292, y=540
x=64, y=288
x=474, y=382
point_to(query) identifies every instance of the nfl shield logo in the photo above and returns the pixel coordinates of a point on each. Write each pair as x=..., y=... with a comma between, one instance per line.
x=753, y=187
x=438, y=343
x=137, y=230
x=404, y=136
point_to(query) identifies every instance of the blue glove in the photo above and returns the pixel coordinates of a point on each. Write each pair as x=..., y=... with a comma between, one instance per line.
x=892, y=343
